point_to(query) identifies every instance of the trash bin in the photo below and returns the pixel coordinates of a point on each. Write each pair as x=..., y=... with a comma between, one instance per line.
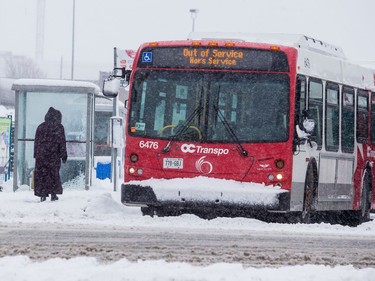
x=103, y=170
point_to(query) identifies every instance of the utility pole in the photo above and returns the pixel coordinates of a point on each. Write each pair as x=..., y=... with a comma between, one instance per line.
x=61, y=67
x=115, y=114
x=193, y=13
x=74, y=16
x=39, y=48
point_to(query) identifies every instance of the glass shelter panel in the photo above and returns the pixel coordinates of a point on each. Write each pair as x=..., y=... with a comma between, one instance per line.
x=32, y=107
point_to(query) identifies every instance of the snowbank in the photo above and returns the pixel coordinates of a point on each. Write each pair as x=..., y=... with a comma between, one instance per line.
x=100, y=206
x=22, y=268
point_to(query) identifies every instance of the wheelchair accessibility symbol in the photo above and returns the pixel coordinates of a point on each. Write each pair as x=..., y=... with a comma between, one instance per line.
x=147, y=57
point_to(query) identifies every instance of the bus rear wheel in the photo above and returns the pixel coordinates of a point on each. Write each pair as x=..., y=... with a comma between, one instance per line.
x=363, y=214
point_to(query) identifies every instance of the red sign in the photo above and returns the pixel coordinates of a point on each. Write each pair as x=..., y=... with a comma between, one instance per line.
x=125, y=58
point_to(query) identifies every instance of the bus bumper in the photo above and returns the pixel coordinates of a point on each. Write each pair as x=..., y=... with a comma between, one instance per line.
x=216, y=198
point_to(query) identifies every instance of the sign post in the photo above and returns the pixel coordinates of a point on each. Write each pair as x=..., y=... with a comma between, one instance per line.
x=122, y=59
x=5, y=147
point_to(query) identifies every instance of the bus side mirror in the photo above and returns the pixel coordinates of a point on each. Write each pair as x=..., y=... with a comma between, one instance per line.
x=307, y=128
x=127, y=75
x=309, y=125
x=111, y=87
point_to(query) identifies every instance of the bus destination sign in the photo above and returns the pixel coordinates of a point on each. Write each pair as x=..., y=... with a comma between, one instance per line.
x=213, y=58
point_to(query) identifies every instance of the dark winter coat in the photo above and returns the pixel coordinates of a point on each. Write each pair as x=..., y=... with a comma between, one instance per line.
x=49, y=150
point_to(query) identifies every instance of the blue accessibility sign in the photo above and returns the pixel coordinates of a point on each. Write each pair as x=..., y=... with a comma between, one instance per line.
x=147, y=57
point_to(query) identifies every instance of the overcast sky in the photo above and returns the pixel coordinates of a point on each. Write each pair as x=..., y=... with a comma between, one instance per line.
x=104, y=24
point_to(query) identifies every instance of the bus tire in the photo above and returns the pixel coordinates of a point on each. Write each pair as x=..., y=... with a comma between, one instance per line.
x=148, y=211
x=310, y=193
x=167, y=212
x=363, y=214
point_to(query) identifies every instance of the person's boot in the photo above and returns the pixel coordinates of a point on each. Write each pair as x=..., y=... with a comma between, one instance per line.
x=54, y=197
x=43, y=198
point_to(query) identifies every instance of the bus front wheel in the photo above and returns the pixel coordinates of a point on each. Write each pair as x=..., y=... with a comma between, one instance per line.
x=310, y=193
x=148, y=211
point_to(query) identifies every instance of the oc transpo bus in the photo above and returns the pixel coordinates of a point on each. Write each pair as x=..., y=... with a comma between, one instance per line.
x=286, y=111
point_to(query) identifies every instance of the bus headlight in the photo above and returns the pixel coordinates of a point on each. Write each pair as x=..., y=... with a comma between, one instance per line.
x=140, y=171
x=279, y=176
x=131, y=170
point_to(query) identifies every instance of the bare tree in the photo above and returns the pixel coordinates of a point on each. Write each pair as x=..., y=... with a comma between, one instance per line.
x=22, y=67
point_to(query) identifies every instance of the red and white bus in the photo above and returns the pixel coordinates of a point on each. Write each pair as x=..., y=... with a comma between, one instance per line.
x=285, y=111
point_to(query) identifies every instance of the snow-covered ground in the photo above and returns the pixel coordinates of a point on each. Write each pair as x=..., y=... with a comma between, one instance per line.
x=101, y=206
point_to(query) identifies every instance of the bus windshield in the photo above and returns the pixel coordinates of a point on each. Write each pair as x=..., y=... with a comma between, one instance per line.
x=207, y=106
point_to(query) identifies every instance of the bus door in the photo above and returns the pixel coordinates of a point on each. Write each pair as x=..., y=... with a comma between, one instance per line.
x=335, y=189
x=335, y=169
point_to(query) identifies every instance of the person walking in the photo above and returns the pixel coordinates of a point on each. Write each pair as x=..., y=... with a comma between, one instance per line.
x=49, y=151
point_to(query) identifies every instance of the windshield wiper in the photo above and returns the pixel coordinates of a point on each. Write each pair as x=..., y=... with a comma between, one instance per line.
x=231, y=132
x=183, y=128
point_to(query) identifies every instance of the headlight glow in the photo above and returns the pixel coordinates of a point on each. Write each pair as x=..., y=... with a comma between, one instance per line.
x=131, y=170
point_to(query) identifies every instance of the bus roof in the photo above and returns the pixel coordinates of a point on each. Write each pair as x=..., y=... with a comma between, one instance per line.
x=293, y=40
x=315, y=57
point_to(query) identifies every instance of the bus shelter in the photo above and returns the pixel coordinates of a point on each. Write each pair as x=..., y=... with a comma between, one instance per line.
x=76, y=101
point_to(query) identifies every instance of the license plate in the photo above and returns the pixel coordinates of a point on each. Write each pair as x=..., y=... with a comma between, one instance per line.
x=173, y=163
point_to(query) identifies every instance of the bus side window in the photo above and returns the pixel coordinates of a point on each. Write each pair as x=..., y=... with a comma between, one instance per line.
x=315, y=110
x=332, y=117
x=362, y=116
x=372, y=127
x=300, y=98
x=300, y=106
x=347, y=120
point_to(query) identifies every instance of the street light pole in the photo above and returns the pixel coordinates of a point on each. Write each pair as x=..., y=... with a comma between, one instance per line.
x=193, y=13
x=74, y=16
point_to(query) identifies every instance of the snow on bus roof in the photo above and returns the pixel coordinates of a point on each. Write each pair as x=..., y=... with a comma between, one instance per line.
x=295, y=40
x=316, y=58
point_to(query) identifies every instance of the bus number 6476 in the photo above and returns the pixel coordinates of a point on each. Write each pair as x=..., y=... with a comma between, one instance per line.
x=149, y=144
